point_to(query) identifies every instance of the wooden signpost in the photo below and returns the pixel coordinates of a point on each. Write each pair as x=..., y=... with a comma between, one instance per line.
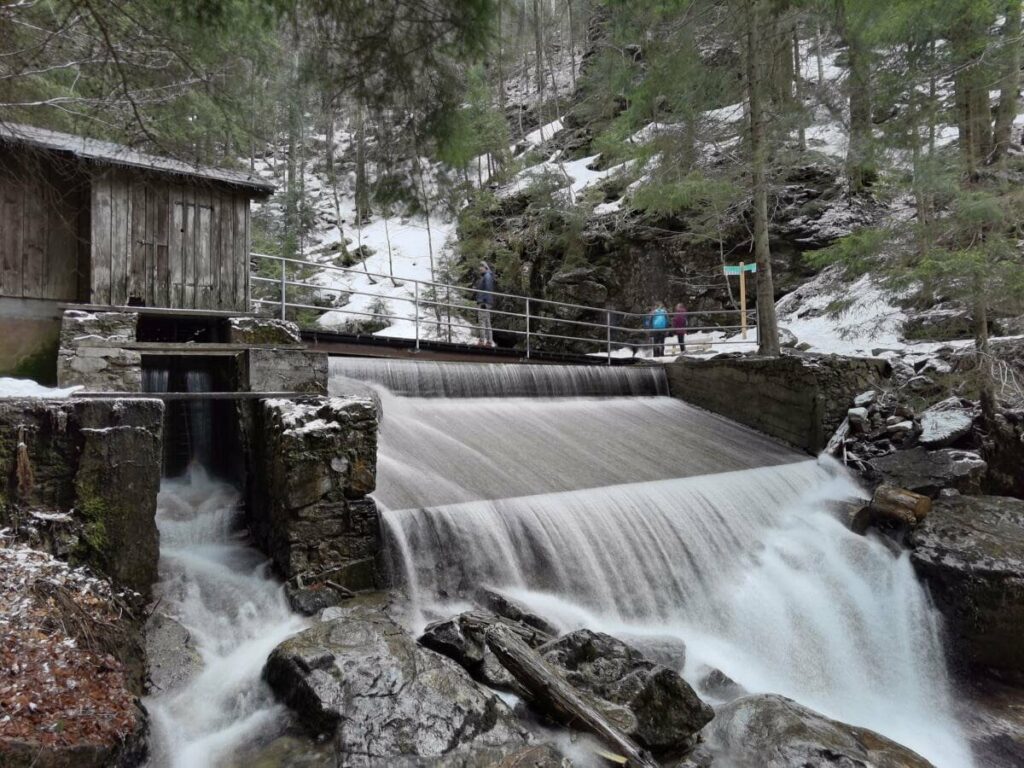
x=741, y=269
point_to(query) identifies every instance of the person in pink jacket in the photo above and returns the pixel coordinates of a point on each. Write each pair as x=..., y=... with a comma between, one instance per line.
x=679, y=325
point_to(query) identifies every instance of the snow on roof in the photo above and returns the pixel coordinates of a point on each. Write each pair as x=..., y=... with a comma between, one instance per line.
x=117, y=154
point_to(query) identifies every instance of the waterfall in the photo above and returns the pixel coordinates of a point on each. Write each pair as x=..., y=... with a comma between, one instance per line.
x=220, y=589
x=431, y=379
x=643, y=516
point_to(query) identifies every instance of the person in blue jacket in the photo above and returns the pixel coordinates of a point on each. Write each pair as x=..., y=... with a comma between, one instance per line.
x=484, y=298
x=659, y=329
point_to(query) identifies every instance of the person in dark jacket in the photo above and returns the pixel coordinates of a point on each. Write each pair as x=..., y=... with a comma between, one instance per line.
x=659, y=329
x=679, y=325
x=484, y=298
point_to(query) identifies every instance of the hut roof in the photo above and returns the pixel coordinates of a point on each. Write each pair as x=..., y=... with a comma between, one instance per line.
x=98, y=151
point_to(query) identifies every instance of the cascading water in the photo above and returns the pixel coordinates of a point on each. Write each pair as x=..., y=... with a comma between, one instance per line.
x=220, y=589
x=644, y=516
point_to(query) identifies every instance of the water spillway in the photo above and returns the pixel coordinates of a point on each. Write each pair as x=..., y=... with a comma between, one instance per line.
x=642, y=516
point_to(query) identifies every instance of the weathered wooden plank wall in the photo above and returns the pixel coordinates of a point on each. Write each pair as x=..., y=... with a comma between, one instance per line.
x=168, y=244
x=39, y=207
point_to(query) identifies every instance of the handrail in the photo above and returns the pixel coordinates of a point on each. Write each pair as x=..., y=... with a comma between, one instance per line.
x=611, y=335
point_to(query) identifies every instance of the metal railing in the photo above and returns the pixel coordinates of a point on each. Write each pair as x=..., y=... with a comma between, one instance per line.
x=442, y=312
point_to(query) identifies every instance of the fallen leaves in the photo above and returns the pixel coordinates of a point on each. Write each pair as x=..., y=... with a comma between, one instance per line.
x=58, y=686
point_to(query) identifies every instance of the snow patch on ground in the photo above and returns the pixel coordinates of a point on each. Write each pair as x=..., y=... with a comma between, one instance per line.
x=10, y=387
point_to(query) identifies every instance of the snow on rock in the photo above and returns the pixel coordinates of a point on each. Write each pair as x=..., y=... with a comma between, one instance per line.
x=544, y=133
x=10, y=387
x=945, y=423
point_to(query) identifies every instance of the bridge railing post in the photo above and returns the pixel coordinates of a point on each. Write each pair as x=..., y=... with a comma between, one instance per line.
x=608, y=322
x=284, y=286
x=527, y=328
x=416, y=310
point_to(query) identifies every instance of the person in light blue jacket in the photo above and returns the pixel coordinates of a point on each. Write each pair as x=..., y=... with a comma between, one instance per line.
x=659, y=329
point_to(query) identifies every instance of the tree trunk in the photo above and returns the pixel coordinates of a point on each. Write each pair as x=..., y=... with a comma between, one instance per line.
x=767, y=325
x=550, y=693
x=974, y=114
x=362, y=187
x=860, y=170
x=981, y=348
x=798, y=87
x=572, y=46
x=291, y=215
x=1009, y=84
x=538, y=37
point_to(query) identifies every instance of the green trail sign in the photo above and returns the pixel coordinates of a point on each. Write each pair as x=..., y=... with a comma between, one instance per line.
x=735, y=269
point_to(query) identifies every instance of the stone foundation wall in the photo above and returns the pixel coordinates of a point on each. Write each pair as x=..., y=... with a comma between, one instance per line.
x=84, y=485
x=314, y=462
x=91, y=355
x=798, y=399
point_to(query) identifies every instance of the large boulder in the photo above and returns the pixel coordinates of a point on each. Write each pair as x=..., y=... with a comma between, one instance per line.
x=970, y=553
x=771, y=731
x=667, y=710
x=360, y=679
x=929, y=472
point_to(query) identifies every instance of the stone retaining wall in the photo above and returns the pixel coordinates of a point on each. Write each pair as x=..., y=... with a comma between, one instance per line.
x=85, y=484
x=799, y=399
x=314, y=462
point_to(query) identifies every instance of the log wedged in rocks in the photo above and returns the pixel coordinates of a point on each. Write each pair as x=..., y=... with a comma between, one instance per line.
x=970, y=553
x=462, y=639
x=890, y=505
x=553, y=695
x=771, y=731
x=503, y=605
x=358, y=677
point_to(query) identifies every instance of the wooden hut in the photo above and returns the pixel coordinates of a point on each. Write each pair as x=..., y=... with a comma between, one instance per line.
x=92, y=222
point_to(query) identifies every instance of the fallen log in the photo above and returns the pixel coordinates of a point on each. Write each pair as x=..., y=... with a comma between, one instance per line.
x=551, y=694
x=892, y=505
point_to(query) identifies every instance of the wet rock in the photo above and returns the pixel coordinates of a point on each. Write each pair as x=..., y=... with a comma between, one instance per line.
x=309, y=601
x=361, y=679
x=970, y=553
x=171, y=654
x=665, y=650
x=771, y=731
x=540, y=756
x=928, y=472
x=720, y=686
x=668, y=711
x=462, y=639
x=503, y=605
x=945, y=423
x=287, y=751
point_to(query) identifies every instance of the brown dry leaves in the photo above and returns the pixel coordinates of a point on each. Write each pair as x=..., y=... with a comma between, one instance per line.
x=56, y=686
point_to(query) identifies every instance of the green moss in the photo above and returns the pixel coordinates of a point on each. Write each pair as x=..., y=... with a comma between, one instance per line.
x=95, y=512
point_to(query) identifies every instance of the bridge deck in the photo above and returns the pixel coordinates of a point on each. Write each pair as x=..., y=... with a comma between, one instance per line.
x=366, y=345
